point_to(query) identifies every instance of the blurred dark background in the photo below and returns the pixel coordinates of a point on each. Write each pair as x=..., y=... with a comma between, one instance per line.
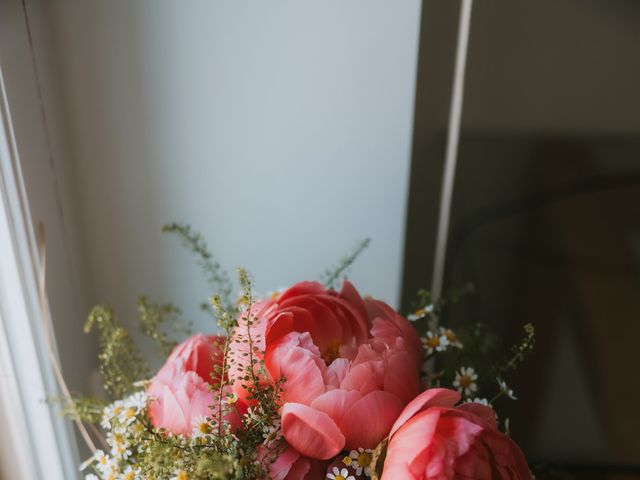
x=546, y=212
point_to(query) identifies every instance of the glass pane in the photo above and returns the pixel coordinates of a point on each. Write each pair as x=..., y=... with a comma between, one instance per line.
x=546, y=214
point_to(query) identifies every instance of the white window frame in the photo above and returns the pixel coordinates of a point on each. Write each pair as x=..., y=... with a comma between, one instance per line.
x=41, y=439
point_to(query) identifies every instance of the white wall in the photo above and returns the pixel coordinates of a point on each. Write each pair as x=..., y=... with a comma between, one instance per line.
x=281, y=130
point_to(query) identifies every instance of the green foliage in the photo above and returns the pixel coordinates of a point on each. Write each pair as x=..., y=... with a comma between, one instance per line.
x=121, y=364
x=216, y=276
x=480, y=349
x=87, y=409
x=331, y=278
x=519, y=351
x=162, y=324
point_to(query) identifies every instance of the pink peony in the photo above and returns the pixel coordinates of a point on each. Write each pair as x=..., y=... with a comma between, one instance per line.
x=351, y=365
x=182, y=390
x=433, y=439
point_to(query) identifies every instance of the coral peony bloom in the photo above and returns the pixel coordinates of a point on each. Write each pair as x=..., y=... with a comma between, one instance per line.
x=350, y=365
x=433, y=439
x=182, y=390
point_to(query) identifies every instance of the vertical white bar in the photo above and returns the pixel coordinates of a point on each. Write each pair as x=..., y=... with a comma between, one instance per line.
x=42, y=438
x=451, y=155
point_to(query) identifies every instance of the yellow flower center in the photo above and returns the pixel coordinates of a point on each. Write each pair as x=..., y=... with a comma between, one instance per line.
x=117, y=410
x=364, y=459
x=465, y=381
x=130, y=412
x=129, y=476
x=347, y=461
x=183, y=476
x=340, y=477
x=204, y=428
x=434, y=341
x=420, y=312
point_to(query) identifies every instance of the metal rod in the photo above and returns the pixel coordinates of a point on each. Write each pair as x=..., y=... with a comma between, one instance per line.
x=451, y=155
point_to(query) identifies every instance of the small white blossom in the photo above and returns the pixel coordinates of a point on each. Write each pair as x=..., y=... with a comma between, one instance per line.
x=111, y=412
x=451, y=336
x=105, y=464
x=504, y=388
x=201, y=427
x=119, y=445
x=131, y=408
x=271, y=432
x=465, y=381
x=131, y=474
x=434, y=343
x=340, y=474
x=420, y=313
x=361, y=460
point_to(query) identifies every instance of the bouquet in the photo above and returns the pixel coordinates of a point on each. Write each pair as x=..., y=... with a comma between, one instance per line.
x=314, y=381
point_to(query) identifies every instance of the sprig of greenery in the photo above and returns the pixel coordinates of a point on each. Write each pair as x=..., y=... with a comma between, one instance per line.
x=215, y=275
x=519, y=351
x=332, y=277
x=155, y=319
x=87, y=409
x=121, y=364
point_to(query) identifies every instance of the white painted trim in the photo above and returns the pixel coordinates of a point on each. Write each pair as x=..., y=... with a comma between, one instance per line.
x=43, y=440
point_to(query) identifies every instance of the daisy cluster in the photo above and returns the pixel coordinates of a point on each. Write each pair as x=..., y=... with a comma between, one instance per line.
x=440, y=341
x=124, y=424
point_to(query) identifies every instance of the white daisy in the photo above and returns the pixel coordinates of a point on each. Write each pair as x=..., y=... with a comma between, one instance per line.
x=451, y=336
x=504, y=388
x=420, y=313
x=361, y=460
x=137, y=400
x=119, y=445
x=131, y=408
x=104, y=463
x=111, y=412
x=271, y=432
x=465, y=381
x=131, y=474
x=201, y=427
x=340, y=474
x=434, y=343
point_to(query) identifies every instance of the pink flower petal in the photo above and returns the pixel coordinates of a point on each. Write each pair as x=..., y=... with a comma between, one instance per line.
x=407, y=448
x=369, y=419
x=281, y=467
x=434, y=397
x=336, y=403
x=302, y=367
x=311, y=432
x=400, y=378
